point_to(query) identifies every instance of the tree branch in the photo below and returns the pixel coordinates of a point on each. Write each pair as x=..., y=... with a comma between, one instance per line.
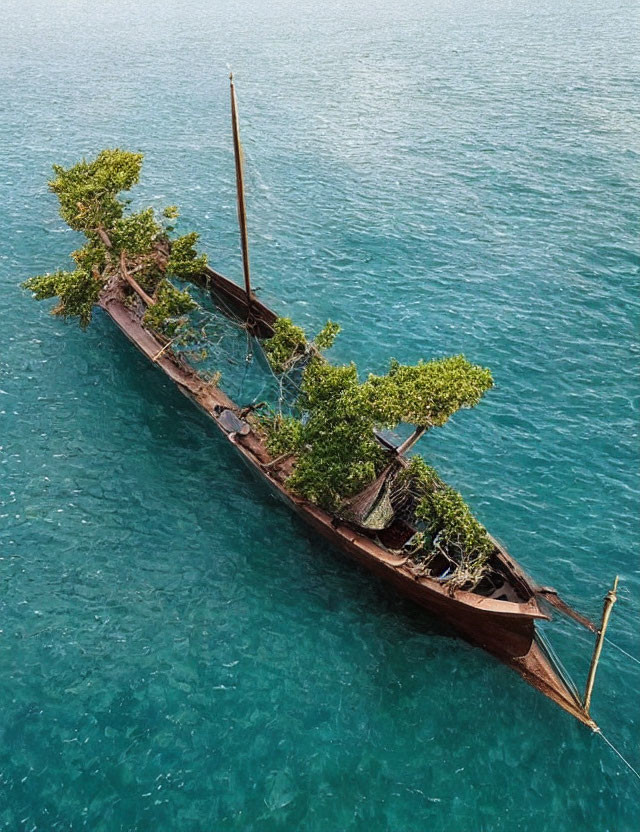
x=137, y=288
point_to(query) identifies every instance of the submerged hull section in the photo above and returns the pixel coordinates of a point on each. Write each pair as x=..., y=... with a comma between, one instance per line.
x=505, y=629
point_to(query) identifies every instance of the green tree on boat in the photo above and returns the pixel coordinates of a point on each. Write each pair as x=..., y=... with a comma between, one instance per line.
x=137, y=241
x=330, y=434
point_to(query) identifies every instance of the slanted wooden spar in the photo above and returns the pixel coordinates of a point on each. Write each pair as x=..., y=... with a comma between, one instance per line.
x=609, y=601
x=242, y=210
x=411, y=440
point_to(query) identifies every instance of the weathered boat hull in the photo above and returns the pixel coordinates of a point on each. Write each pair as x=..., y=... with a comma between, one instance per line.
x=504, y=629
x=508, y=636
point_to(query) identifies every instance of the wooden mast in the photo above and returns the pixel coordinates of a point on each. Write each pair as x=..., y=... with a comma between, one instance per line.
x=242, y=211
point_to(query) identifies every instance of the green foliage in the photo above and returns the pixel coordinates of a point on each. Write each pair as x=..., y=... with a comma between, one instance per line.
x=288, y=343
x=78, y=292
x=339, y=453
x=325, y=339
x=136, y=233
x=171, y=212
x=168, y=314
x=89, y=202
x=449, y=520
x=284, y=434
x=90, y=257
x=426, y=394
x=184, y=260
x=88, y=191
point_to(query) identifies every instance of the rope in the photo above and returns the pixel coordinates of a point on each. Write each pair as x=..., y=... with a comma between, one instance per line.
x=221, y=335
x=229, y=313
x=612, y=746
x=279, y=378
x=555, y=659
x=628, y=655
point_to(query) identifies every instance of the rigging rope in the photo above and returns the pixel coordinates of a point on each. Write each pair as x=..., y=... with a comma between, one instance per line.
x=225, y=339
x=628, y=655
x=280, y=378
x=555, y=660
x=612, y=746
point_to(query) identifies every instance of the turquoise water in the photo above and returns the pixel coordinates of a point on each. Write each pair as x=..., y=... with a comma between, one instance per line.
x=177, y=652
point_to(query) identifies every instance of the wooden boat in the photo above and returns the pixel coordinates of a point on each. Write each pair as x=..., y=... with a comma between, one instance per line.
x=499, y=616
x=502, y=622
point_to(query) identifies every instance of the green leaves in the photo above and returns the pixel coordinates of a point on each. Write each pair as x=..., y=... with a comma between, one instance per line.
x=87, y=191
x=426, y=394
x=325, y=338
x=89, y=201
x=136, y=233
x=339, y=454
x=450, y=522
x=284, y=435
x=78, y=292
x=289, y=343
x=168, y=314
x=184, y=260
x=90, y=257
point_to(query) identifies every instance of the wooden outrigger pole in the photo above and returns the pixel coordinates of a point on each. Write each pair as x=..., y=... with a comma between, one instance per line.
x=609, y=601
x=242, y=211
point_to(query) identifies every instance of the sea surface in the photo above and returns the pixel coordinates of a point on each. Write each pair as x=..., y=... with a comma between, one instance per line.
x=177, y=652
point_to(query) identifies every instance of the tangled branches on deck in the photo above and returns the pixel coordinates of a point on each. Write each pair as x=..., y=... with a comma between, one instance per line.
x=452, y=529
x=288, y=346
x=337, y=453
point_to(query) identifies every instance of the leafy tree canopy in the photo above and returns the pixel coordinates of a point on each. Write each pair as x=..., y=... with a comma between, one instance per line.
x=90, y=200
x=77, y=291
x=88, y=191
x=337, y=454
x=452, y=528
x=337, y=451
x=426, y=393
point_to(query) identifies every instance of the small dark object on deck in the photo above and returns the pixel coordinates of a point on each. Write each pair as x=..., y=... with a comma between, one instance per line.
x=230, y=423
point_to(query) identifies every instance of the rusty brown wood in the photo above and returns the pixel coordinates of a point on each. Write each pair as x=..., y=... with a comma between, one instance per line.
x=551, y=597
x=411, y=441
x=235, y=296
x=104, y=236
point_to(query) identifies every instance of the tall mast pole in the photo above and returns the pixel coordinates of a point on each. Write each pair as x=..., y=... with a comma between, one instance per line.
x=242, y=211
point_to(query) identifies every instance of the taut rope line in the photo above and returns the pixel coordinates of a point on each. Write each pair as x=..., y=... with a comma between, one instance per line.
x=628, y=655
x=612, y=746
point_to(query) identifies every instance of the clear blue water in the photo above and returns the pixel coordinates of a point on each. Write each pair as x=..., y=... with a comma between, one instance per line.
x=178, y=652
